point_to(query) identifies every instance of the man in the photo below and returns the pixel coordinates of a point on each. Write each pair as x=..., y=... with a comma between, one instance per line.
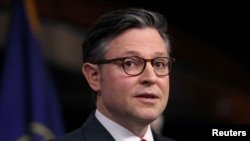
x=126, y=62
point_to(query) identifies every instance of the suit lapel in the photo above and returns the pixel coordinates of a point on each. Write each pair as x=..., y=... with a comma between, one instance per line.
x=158, y=137
x=93, y=130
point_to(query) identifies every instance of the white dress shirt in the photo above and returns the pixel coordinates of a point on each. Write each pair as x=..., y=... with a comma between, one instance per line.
x=118, y=132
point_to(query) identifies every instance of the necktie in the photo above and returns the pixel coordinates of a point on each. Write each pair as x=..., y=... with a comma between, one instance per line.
x=143, y=140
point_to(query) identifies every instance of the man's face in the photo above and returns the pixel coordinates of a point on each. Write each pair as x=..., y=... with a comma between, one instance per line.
x=142, y=98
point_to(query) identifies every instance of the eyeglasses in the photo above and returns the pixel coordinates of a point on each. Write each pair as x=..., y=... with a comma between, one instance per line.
x=135, y=65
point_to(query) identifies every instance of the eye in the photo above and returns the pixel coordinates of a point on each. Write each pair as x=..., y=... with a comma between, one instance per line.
x=160, y=63
x=129, y=63
x=132, y=62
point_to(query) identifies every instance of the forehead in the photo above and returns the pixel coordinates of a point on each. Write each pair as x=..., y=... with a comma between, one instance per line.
x=140, y=42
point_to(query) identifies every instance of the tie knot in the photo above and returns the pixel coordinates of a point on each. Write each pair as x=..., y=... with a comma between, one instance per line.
x=143, y=140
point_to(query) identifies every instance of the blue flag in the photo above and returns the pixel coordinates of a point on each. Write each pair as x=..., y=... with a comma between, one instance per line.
x=29, y=108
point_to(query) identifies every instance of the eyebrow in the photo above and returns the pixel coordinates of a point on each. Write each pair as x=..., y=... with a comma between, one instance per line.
x=136, y=53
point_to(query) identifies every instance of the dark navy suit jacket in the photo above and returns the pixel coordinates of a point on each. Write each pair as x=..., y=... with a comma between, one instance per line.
x=92, y=130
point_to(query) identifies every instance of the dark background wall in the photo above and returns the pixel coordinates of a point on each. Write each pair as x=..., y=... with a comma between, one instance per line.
x=210, y=81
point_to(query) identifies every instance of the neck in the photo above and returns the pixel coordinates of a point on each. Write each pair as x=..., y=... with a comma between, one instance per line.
x=136, y=126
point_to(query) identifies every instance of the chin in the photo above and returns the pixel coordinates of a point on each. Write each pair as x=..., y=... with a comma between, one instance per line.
x=149, y=117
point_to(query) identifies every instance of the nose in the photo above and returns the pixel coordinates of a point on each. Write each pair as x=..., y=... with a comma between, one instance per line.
x=148, y=76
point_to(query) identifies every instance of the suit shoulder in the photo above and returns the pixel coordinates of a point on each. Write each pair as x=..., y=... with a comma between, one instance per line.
x=167, y=139
x=163, y=138
x=75, y=135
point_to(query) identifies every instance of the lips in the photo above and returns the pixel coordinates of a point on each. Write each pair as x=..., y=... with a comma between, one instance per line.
x=151, y=96
x=147, y=98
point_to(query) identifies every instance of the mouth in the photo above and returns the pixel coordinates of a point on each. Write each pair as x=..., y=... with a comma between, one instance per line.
x=147, y=98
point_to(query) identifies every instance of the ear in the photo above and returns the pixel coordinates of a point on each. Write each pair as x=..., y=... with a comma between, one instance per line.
x=92, y=74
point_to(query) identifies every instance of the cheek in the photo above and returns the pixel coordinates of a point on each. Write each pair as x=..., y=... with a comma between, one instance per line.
x=117, y=91
x=116, y=77
x=164, y=86
x=116, y=82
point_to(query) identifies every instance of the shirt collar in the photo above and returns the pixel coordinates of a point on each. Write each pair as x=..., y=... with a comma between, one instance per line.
x=120, y=133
